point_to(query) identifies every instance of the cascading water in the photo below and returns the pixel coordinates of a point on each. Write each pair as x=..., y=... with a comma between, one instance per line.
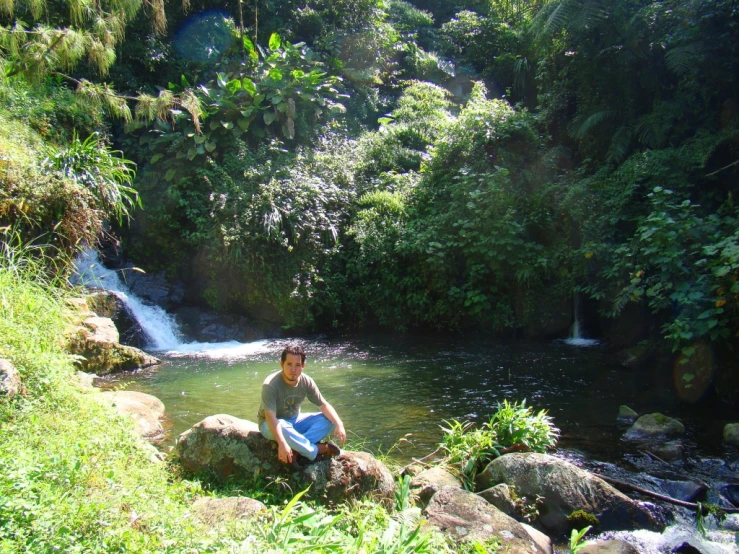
x=159, y=326
x=576, y=337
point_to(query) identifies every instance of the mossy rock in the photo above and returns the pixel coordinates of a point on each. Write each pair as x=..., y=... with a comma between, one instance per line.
x=580, y=518
x=655, y=426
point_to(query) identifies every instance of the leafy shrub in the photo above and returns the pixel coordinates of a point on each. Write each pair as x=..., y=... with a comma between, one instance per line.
x=512, y=426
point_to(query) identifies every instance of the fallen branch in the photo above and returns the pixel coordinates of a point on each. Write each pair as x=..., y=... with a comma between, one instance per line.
x=646, y=492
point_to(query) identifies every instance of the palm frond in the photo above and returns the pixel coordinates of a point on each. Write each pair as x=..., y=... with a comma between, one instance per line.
x=620, y=144
x=683, y=59
x=582, y=125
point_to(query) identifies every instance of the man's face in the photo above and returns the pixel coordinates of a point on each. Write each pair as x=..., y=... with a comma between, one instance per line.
x=292, y=367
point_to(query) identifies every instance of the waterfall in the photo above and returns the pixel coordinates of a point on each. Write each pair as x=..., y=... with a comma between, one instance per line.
x=159, y=326
x=576, y=337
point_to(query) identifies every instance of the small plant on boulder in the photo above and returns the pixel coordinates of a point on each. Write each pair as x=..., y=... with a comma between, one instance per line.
x=514, y=427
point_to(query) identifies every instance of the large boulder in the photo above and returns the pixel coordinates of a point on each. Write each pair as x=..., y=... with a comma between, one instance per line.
x=227, y=446
x=10, y=380
x=145, y=410
x=500, y=496
x=430, y=481
x=565, y=489
x=466, y=517
x=608, y=547
x=211, y=511
x=97, y=343
x=105, y=303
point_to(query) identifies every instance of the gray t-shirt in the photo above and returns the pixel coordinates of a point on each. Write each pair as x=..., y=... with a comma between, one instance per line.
x=284, y=400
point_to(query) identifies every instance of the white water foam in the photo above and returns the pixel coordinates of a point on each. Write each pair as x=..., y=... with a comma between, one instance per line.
x=576, y=338
x=159, y=326
x=649, y=542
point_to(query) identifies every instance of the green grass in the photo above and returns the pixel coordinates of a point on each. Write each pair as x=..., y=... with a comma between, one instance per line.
x=75, y=479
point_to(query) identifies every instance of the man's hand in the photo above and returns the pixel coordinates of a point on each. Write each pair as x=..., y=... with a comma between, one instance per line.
x=284, y=453
x=340, y=434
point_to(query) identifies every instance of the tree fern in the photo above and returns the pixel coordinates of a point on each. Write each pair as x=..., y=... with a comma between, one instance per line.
x=571, y=14
x=620, y=144
x=683, y=59
x=581, y=126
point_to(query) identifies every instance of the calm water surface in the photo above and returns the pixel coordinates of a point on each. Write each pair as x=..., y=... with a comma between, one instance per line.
x=391, y=388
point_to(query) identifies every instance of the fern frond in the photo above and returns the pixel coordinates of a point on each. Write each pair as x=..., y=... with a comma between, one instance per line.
x=683, y=59
x=581, y=126
x=36, y=7
x=590, y=15
x=159, y=17
x=620, y=144
x=191, y=102
x=116, y=105
x=79, y=11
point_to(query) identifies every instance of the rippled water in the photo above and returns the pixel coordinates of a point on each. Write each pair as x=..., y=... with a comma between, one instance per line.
x=390, y=388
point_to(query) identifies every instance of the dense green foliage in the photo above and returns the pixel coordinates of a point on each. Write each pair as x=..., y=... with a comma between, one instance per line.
x=451, y=165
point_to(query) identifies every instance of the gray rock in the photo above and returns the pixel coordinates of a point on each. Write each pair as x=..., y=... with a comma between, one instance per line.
x=626, y=415
x=212, y=511
x=731, y=434
x=465, y=517
x=227, y=446
x=85, y=380
x=652, y=427
x=97, y=343
x=153, y=287
x=543, y=542
x=608, y=547
x=566, y=488
x=500, y=497
x=429, y=481
x=145, y=410
x=681, y=490
x=10, y=380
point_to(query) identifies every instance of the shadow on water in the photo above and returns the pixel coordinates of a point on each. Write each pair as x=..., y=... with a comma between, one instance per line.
x=386, y=388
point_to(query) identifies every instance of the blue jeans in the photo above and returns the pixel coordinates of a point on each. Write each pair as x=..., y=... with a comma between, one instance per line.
x=302, y=432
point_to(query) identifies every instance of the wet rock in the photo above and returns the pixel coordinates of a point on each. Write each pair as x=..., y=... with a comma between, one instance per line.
x=107, y=304
x=145, y=410
x=686, y=548
x=681, y=490
x=211, y=511
x=652, y=427
x=731, y=434
x=500, y=497
x=465, y=516
x=566, y=488
x=153, y=287
x=730, y=523
x=85, y=380
x=205, y=326
x=10, y=380
x=626, y=416
x=429, y=481
x=608, y=547
x=227, y=446
x=97, y=343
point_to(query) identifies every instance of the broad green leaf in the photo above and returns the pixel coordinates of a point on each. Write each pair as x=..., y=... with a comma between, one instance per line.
x=269, y=117
x=221, y=79
x=233, y=86
x=275, y=74
x=247, y=112
x=243, y=124
x=155, y=158
x=227, y=125
x=248, y=44
x=274, y=41
x=185, y=83
x=170, y=174
x=210, y=146
x=249, y=86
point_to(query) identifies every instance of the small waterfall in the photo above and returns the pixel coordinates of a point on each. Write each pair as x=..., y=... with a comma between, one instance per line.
x=576, y=337
x=158, y=325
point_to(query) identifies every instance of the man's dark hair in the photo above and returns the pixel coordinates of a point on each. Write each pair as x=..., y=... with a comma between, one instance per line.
x=294, y=349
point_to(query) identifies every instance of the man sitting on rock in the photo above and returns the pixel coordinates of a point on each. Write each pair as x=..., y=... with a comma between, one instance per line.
x=279, y=414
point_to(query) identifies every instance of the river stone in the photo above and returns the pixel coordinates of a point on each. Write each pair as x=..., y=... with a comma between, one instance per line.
x=566, y=488
x=652, y=427
x=543, y=542
x=97, y=343
x=211, y=511
x=227, y=446
x=626, y=415
x=466, y=517
x=608, y=547
x=145, y=410
x=429, y=481
x=10, y=380
x=731, y=434
x=500, y=497
x=107, y=304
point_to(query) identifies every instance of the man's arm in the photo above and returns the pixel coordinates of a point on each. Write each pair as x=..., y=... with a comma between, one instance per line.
x=284, y=452
x=328, y=410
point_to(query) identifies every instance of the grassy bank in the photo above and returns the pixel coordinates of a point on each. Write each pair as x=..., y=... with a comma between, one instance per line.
x=75, y=479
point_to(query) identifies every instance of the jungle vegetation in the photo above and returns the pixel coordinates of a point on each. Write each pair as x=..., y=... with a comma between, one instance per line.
x=461, y=165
